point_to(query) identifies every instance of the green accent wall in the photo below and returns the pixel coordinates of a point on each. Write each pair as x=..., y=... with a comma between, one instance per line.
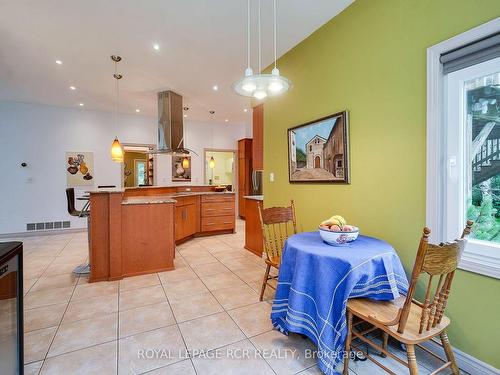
x=371, y=60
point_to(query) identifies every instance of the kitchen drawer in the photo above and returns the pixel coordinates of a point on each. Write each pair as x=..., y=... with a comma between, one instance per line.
x=217, y=208
x=183, y=201
x=217, y=223
x=217, y=198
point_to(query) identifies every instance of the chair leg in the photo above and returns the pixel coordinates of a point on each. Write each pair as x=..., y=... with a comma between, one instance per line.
x=264, y=282
x=347, y=353
x=412, y=360
x=449, y=352
x=385, y=340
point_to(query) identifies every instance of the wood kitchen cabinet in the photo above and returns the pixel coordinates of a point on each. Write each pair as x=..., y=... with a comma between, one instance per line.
x=244, y=173
x=258, y=137
x=254, y=240
x=187, y=217
x=217, y=213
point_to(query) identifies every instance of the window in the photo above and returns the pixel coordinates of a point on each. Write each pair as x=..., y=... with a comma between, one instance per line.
x=140, y=174
x=473, y=154
x=463, y=145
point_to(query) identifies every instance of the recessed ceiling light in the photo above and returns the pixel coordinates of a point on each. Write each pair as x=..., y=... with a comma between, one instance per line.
x=216, y=88
x=185, y=116
x=226, y=120
x=137, y=110
x=245, y=110
x=72, y=88
x=156, y=46
x=81, y=104
x=58, y=62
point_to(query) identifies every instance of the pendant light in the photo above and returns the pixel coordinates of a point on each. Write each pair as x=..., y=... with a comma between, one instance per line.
x=116, y=147
x=211, y=163
x=261, y=85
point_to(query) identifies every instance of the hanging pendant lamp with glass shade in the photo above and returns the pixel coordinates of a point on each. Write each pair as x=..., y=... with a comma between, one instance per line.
x=211, y=163
x=116, y=147
x=260, y=86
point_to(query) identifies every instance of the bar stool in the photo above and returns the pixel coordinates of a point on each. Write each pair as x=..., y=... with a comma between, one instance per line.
x=81, y=269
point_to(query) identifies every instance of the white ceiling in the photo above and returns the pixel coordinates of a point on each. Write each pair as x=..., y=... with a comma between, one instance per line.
x=202, y=44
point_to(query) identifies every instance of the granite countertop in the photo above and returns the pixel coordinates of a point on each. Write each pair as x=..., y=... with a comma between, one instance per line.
x=105, y=191
x=254, y=197
x=151, y=199
x=168, y=198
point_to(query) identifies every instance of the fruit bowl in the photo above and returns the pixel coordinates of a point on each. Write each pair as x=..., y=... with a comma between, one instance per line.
x=338, y=238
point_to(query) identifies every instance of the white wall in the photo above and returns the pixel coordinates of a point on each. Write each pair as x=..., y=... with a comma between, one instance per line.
x=40, y=136
x=197, y=137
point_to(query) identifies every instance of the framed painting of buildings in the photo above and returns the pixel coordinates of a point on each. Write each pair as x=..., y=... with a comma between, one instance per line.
x=318, y=151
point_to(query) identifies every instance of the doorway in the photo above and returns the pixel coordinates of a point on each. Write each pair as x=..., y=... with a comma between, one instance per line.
x=317, y=162
x=220, y=167
x=138, y=165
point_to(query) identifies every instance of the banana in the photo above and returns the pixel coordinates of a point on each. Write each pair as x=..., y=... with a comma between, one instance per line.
x=338, y=220
x=335, y=220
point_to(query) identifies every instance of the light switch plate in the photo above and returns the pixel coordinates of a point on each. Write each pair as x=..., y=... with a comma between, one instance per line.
x=271, y=177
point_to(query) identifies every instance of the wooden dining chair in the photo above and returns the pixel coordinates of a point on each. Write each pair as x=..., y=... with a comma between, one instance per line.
x=278, y=223
x=406, y=319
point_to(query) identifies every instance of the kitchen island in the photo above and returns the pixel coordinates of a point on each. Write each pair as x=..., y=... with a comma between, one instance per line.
x=134, y=231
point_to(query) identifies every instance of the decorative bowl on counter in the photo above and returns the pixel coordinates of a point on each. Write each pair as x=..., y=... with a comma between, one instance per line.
x=338, y=238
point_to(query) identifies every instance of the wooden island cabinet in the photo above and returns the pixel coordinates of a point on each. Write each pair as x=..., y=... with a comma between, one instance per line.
x=244, y=173
x=187, y=217
x=254, y=240
x=134, y=231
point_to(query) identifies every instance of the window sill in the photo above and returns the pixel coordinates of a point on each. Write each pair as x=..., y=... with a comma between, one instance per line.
x=475, y=260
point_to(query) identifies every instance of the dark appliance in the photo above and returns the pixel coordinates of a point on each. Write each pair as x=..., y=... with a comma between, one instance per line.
x=11, y=308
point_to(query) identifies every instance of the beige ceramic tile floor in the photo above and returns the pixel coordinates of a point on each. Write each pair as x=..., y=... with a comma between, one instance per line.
x=210, y=301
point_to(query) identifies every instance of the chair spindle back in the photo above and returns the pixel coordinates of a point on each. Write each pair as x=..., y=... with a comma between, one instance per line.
x=278, y=223
x=439, y=262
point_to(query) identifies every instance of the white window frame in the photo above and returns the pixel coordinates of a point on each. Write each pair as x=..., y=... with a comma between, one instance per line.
x=474, y=259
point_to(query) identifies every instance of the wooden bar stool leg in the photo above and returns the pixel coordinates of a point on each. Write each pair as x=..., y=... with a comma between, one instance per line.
x=347, y=353
x=412, y=359
x=264, y=282
x=449, y=352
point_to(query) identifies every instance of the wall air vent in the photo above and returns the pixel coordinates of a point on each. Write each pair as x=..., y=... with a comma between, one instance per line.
x=48, y=225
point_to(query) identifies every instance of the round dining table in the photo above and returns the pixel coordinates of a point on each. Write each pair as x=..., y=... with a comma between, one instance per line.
x=315, y=281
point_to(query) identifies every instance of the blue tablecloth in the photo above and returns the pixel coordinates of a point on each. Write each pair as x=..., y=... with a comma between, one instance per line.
x=315, y=280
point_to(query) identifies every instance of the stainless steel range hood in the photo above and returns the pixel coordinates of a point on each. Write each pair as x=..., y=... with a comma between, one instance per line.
x=170, y=124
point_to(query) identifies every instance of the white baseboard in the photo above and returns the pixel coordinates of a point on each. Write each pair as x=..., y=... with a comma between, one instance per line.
x=35, y=233
x=465, y=361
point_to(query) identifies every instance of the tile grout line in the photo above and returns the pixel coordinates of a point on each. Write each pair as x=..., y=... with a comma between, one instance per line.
x=227, y=312
x=62, y=316
x=45, y=357
x=177, y=325
x=244, y=335
x=45, y=269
